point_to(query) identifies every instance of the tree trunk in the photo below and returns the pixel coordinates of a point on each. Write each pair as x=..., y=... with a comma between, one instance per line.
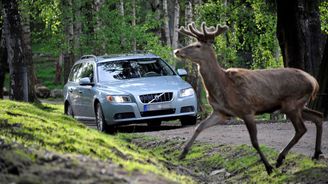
x=166, y=23
x=17, y=55
x=155, y=4
x=69, y=38
x=134, y=41
x=175, y=34
x=321, y=102
x=3, y=57
x=299, y=34
x=193, y=75
x=28, y=54
x=122, y=13
x=100, y=45
x=77, y=28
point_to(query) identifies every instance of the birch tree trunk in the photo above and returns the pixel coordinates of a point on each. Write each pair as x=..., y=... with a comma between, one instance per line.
x=175, y=34
x=25, y=22
x=134, y=41
x=16, y=51
x=166, y=23
x=122, y=13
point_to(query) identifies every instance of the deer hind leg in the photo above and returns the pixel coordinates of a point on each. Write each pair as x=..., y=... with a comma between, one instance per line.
x=252, y=130
x=300, y=129
x=210, y=121
x=317, y=118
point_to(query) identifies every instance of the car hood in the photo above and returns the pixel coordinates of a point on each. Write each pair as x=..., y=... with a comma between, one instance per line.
x=145, y=85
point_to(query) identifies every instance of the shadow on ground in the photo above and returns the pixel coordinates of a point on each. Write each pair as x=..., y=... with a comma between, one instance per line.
x=139, y=128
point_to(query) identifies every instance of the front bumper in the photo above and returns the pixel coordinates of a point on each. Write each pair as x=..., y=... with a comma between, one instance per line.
x=123, y=113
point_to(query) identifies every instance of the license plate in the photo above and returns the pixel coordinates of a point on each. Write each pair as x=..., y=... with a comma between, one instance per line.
x=155, y=107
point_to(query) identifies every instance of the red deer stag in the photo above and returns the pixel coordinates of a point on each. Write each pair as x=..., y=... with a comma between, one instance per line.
x=245, y=93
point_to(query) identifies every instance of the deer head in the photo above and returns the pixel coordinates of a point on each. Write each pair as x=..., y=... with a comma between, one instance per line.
x=201, y=50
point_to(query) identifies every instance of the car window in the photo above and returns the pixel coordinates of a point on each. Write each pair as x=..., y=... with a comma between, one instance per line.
x=137, y=68
x=75, y=72
x=81, y=70
x=87, y=71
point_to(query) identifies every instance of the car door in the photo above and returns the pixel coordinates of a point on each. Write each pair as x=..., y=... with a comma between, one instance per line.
x=85, y=93
x=72, y=85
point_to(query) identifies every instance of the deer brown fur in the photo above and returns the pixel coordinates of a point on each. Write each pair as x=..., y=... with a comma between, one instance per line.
x=244, y=93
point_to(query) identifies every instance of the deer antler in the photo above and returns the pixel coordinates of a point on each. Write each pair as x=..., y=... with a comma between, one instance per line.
x=207, y=34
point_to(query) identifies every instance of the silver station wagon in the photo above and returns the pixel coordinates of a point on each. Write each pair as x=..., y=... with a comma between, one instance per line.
x=126, y=89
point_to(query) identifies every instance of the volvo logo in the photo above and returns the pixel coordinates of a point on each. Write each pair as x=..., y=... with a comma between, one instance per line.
x=156, y=98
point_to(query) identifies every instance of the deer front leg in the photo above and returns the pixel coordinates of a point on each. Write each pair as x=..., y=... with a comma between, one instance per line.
x=252, y=130
x=212, y=120
x=300, y=129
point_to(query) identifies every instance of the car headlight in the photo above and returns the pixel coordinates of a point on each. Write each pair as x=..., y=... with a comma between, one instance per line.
x=118, y=99
x=187, y=92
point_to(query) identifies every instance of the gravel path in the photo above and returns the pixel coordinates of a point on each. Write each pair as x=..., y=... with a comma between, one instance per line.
x=274, y=135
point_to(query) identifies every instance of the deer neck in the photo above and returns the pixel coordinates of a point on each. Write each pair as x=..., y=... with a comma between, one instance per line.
x=214, y=78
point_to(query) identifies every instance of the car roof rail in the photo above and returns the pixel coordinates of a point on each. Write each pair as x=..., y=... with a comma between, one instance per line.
x=89, y=56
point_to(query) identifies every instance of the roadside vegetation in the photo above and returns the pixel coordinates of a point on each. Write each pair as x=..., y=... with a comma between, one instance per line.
x=39, y=143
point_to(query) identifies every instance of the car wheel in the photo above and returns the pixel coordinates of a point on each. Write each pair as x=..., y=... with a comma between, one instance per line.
x=188, y=120
x=100, y=120
x=69, y=110
x=154, y=123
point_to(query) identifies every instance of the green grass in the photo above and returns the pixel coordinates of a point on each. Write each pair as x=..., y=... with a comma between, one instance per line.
x=241, y=161
x=45, y=127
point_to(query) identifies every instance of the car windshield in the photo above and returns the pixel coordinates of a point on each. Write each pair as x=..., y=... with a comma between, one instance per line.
x=136, y=68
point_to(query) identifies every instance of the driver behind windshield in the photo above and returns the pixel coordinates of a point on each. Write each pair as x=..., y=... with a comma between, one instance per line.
x=128, y=71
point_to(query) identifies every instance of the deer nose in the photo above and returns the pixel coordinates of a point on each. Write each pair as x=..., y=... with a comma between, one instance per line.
x=176, y=51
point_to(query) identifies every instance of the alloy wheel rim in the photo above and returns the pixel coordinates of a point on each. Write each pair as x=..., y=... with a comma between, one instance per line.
x=99, y=119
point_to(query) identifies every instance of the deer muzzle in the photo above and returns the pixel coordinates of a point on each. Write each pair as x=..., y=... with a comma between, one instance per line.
x=177, y=53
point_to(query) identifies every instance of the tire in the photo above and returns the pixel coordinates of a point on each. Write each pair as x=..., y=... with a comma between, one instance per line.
x=100, y=120
x=188, y=120
x=69, y=110
x=154, y=123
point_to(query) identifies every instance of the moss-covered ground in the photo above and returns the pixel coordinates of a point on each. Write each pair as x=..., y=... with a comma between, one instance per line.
x=45, y=128
x=39, y=144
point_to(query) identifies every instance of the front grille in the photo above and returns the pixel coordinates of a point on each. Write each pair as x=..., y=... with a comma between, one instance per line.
x=156, y=97
x=157, y=113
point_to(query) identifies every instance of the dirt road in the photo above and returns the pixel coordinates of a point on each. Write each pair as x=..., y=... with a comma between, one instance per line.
x=274, y=135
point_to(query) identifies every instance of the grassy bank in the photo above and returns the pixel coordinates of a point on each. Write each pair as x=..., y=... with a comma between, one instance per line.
x=38, y=142
x=45, y=128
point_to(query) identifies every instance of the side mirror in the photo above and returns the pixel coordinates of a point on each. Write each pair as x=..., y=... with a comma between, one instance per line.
x=182, y=72
x=85, y=81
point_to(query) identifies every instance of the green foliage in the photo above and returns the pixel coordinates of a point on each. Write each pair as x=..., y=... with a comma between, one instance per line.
x=45, y=127
x=324, y=16
x=251, y=41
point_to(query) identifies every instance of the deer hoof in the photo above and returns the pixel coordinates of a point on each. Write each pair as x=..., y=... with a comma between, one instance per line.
x=279, y=161
x=183, y=155
x=269, y=169
x=317, y=155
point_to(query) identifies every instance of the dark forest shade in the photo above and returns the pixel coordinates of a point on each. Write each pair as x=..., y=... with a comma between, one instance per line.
x=299, y=34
